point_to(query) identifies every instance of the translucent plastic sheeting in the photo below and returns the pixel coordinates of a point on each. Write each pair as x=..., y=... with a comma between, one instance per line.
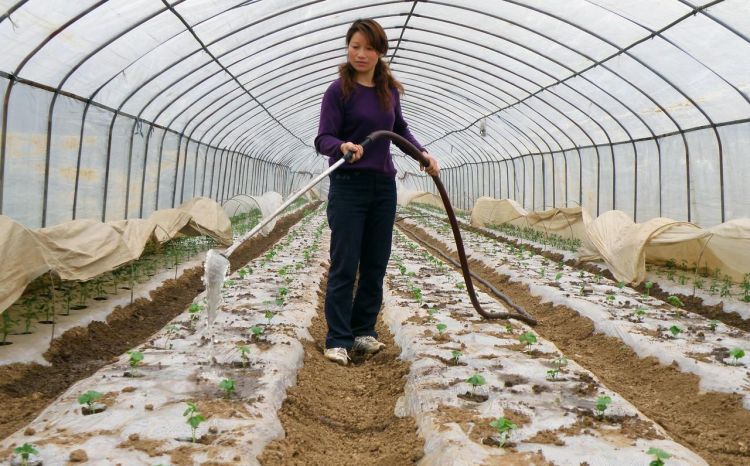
x=116, y=109
x=626, y=246
x=83, y=249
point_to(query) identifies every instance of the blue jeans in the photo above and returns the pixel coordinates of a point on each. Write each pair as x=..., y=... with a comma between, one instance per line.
x=361, y=211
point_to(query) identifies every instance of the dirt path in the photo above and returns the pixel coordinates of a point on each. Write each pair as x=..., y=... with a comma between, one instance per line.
x=345, y=415
x=714, y=425
x=26, y=389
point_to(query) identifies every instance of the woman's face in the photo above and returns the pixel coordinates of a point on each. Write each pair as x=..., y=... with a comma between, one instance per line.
x=362, y=56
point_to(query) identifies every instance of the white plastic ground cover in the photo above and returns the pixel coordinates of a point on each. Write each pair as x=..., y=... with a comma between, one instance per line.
x=145, y=414
x=730, y=304
x=695, y=348
x=488, y=349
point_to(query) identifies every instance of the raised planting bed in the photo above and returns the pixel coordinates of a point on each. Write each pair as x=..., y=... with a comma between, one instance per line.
x=653, y=353
x=495, y=392
x=183, y=399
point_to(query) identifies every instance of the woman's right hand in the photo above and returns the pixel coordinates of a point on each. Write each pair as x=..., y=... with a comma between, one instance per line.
x=357, y=150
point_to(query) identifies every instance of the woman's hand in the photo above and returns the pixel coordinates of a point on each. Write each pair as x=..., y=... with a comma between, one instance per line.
x=433, y=169
x=357, y=150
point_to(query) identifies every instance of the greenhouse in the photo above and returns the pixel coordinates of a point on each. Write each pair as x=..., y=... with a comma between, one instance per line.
x=334, y=232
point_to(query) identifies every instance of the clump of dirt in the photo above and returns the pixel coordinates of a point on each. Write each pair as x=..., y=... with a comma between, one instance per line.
x=26, y=389
x=711, y=424
x=339, y=415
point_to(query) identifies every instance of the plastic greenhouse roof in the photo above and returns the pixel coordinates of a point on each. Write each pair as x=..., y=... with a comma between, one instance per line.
x=541, y=75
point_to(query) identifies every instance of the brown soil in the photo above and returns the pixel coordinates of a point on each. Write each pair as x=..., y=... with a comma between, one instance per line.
x=712, y=424
x=339, y=415
x=26, y=389
x=692, y=303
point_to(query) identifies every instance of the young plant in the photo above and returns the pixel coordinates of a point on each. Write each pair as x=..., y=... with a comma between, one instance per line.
x=675, y=301
x=441, y=328
x=675, y=330
x=737, y=354
x=228, y=283
x=476, y=380
x=7, y=326
x=503, y=427
x=558, y=276
x=552, y=373
x=713, y=324
x=639, y=313
x=195, y=312
x=460, y=285
x=660, y=456
x=171, y=332
x=257, y=331
x=601, y=405
x=24, y=451
x=269, y=315
x=431, y=313
x=560, y=362
x=457, y=354
x=509, y=328
x=89, y=398
x=528, y=338
x=227, y=386
x=648, y=286
x=243, y=272
x=135, y=358
x=194, y=418
x=244, y=351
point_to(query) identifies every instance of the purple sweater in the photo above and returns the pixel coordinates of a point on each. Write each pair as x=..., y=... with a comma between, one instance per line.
x=353, y=120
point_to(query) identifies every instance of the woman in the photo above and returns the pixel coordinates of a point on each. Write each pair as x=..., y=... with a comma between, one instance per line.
x=362, y=195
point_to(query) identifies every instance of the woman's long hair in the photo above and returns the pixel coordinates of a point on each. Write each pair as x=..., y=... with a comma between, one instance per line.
x=383, y=79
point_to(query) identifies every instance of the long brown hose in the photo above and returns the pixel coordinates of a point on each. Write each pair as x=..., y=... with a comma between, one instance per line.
x=412, y=151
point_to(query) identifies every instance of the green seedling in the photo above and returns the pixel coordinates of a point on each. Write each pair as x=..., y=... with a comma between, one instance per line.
x=24, y=451
x=509, y=328
x=601, y=404
x=455, y=356
x=713, y=324
x=610, y=298
x=560, y=362
x=552, y=373
x=171, y=332
x=441, y=328
x=228, y=283
x=639, y=313
x=476, y=380
x=269, y=315
x=227, y=386
x=620, y=285
x=542, y=271
x=194, y=310
x=460, y=285
x=558, y=276
x=244, y=351
x=135, y=358
x=416, y=293
x=243, y=272
x=402, y=269
x=675, y=301
x=528, y=338
x=675, y=330
x=257, y=331
x=7, y=325
x=431, y=313
x=648, y=286
x=503, y=427
x=194, y=418
x=737, y=354
x=89, y=398
x=660, y=456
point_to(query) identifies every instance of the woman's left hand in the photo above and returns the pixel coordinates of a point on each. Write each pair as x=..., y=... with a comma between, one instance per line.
x=433, y=169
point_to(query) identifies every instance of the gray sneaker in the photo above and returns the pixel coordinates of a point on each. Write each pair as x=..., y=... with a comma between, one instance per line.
x=367, y=345
x=337, y=355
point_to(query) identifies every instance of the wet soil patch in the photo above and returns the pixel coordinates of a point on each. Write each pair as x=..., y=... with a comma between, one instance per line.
x=714, y=425
x=338, y=415
x=26, y=389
